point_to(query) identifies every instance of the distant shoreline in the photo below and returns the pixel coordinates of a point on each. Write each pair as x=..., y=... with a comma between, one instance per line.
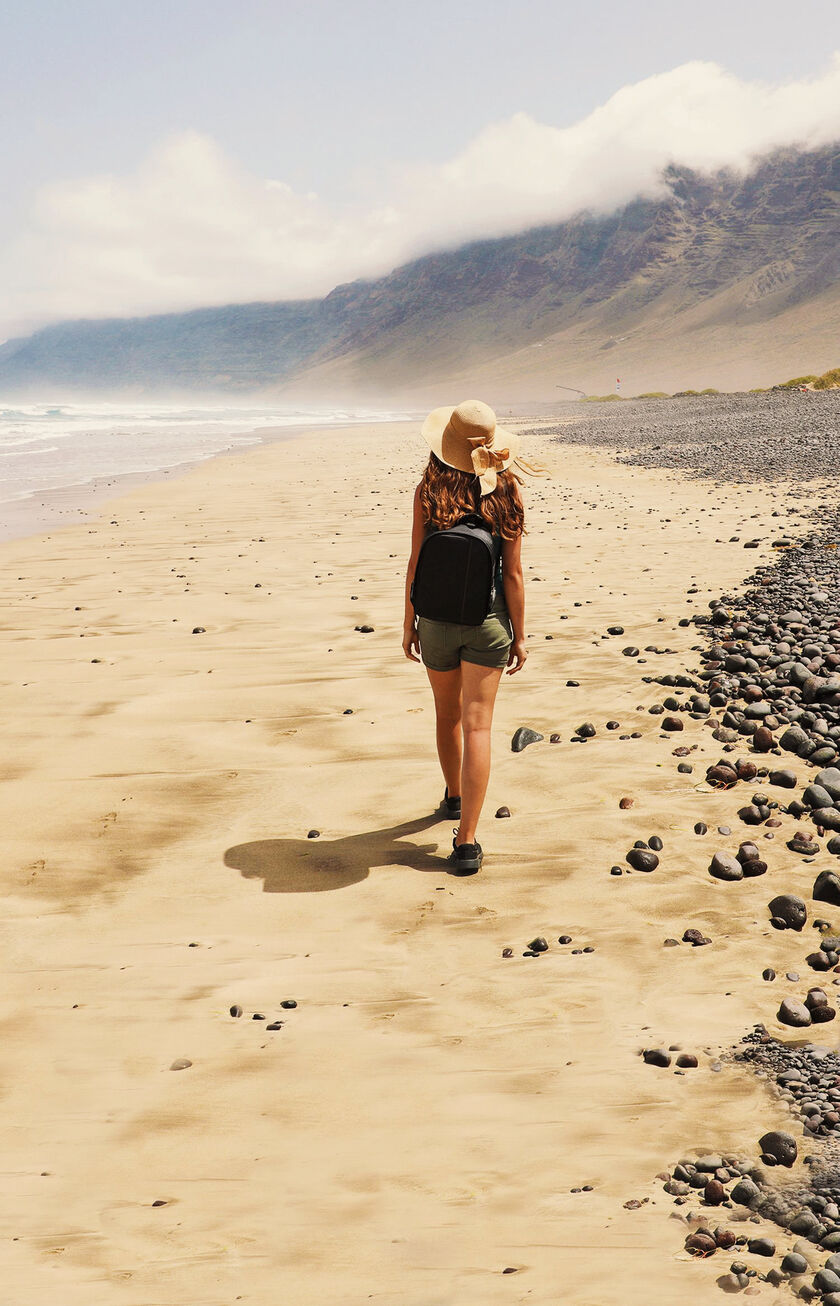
x=68, y=504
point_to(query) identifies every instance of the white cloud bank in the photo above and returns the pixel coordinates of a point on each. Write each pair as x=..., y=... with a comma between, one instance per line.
x=190, y=227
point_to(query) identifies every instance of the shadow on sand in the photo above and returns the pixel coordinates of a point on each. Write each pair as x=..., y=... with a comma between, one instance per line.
x=313, y=865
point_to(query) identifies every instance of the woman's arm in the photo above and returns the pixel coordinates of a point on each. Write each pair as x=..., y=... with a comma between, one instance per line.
x=410, y=642
x=514, y=586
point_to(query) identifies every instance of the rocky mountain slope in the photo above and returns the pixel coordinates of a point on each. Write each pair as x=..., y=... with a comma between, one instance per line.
x=727, y=281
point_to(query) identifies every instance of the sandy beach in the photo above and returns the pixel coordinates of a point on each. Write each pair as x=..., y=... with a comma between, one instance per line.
x=186, y=700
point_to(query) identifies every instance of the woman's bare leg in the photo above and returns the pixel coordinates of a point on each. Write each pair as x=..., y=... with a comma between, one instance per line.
x=446, y=687
x=478, y=698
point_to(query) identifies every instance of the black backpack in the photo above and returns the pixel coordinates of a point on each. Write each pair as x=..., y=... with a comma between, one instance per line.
x=455, y=578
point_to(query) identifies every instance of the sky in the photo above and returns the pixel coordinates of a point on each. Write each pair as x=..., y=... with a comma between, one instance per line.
x=162, y=156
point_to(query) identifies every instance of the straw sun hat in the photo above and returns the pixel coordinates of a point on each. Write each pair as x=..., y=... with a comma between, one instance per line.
x=467, y=437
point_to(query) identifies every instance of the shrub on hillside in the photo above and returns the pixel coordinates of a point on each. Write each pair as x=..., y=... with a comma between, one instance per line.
x=599, y=399
x=797, y=381
x=828, y=380
x=654, y=394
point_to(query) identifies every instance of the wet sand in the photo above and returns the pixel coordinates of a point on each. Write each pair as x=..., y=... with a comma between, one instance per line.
x=419, y=1121
x=59, y=506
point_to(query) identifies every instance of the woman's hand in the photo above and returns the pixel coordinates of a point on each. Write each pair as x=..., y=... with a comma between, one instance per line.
x=411, y=642
x=517, y=657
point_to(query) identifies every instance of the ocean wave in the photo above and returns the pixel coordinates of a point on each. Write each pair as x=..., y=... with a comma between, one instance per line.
x=53, y=447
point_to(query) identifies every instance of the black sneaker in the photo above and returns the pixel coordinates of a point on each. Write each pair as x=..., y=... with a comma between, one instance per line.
x=451, y=806
x=465, y=858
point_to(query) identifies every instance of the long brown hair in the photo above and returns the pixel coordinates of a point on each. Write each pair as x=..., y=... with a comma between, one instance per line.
x=447, y=494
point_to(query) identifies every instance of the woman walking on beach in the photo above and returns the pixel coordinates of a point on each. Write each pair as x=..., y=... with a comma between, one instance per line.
x=467, y=485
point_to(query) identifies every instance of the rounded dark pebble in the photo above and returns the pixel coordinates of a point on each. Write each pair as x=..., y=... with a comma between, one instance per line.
x=236, y=1010
x=780, y=1145
x=288, y=1004
x=314, y=834
x=642, y=859
x=502, y=813
x=700, y=1244
x=827, y=888
x=790, y=909
x=523, y=737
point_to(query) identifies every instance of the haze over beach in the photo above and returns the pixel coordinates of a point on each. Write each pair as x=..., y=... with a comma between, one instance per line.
x=262, y=1043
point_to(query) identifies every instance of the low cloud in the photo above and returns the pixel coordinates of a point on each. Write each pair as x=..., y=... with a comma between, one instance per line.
x=190, y=227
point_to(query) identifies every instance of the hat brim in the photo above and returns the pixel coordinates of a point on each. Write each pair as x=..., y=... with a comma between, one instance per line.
x=454, y=455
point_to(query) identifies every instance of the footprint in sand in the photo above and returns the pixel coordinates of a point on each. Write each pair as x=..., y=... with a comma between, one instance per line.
x=107, y=820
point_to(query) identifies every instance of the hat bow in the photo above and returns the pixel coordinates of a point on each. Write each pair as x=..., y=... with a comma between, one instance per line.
x=484, y=457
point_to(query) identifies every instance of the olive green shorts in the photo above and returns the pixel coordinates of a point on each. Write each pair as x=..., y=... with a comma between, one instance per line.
x=444, y=646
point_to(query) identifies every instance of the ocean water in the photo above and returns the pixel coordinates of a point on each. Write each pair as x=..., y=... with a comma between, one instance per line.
x=50, y=447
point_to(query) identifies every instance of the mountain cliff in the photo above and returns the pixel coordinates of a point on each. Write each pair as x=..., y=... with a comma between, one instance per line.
x=726, y=280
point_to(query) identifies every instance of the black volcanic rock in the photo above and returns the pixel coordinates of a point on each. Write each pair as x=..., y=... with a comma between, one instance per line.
x=827, y=888
x=789, y=908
